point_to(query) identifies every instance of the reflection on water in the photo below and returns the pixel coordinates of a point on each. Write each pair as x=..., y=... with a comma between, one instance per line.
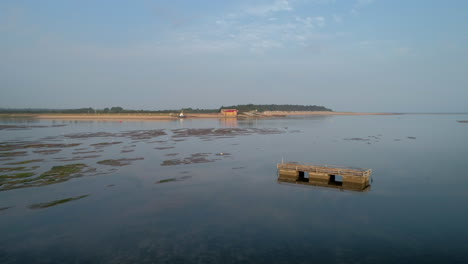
x=228, y=122
x=12, y=120
x=330, y=184
x=168, y=204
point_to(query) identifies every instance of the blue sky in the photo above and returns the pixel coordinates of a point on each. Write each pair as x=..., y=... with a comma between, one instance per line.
x=356, y=55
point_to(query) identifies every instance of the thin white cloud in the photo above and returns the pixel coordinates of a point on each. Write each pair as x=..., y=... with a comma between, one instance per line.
x=255, y=29
x=322, y=2
x=358, y=5
x=364, y=2
x=311, y=22
x=307, y=22
x=337, y=18
x=403, y=50
x=263, y=10
x=320, y=21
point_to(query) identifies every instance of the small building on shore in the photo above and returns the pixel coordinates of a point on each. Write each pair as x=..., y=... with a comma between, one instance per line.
x=229, y=112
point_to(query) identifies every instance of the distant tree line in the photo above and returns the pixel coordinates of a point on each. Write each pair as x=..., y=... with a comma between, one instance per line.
x=118, y=109
x=90, y=110
x=274, y=107
x=45, y=111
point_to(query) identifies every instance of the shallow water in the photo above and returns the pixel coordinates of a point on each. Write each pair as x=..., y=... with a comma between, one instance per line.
x=214, y=197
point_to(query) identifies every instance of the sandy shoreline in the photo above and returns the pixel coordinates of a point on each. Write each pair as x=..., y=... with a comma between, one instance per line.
x=174, y=116
x=295, y=113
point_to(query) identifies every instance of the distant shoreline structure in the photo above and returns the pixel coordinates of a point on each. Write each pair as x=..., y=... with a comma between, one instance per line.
x=168, y=117
x=242, y=111
x=117, y=109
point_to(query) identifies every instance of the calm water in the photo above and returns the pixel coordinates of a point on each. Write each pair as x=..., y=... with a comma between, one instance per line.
x=233, y=210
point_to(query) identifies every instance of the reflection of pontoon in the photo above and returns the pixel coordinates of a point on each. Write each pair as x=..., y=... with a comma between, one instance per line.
x=319, y=175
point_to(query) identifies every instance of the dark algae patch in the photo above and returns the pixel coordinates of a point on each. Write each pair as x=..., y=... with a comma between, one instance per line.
x=34, y=145
x=47, y=151
x=133, y=134
x=24, y=162
x=167, y=180
x=5, y=208
x=194, y=158
x=161, y=148
x=58, y=172
x=55, y=175
x=18, y=127
x=86, y=152
x=105, y=144
x=13, y=154
x=173, y=179
x=143, y=134
x=118, y=162
x=56, y=202
x=210, y=133
x=12, y=169
x=80, y=158
x=356, y=139
x=90, y=135
x=17, y=176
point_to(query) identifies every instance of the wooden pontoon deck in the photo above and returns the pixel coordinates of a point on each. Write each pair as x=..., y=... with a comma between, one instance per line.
x=324, y=175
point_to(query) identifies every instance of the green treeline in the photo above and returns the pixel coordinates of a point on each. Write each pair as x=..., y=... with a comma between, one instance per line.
x=274, y=107
x=118, y=109
x=107, y=110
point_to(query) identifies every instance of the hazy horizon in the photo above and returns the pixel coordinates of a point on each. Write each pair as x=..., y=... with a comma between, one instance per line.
x=361, y=56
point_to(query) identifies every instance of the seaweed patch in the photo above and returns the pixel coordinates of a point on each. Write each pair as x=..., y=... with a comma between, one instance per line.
x=56, y=174
x=207, y=134
x=173, y=179
x=161, y=148
x=13, y=154
x=86, y=152
x=118, y=162
x=47, y=151
x=194, y=158
x=5, y=208
x=56, y=202
x=356, y=139
x=17, y=175
x=12, y=169
x=24, y=162
x=105, y=144
x=80, y=158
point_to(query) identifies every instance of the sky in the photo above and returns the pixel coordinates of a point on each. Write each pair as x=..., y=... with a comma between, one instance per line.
x=347, y=55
